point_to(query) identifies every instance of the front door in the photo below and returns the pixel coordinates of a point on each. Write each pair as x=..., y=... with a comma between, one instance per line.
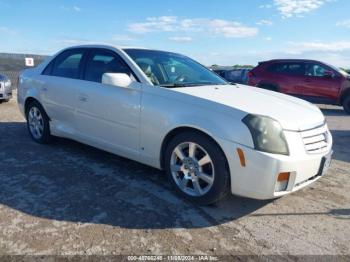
x=108, y=116
x=319, y=85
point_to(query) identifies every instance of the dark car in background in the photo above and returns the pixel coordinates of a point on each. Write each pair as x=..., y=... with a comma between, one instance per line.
x=238, y=75
x=311, y=80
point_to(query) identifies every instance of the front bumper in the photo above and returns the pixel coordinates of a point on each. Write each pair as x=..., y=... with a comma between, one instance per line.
x=259, y=177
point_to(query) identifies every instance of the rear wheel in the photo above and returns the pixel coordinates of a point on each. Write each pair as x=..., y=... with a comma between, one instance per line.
x=346, y=104
x=197, y=168
x=38, y=123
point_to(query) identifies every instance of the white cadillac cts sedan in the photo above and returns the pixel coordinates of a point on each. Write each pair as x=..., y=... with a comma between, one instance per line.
x=167, y=111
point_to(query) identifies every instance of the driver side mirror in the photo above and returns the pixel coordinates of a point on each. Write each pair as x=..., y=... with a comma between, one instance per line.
x=329, y=74
x=116, y=79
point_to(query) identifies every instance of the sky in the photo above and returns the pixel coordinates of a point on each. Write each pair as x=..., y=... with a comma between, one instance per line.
x=225, y=32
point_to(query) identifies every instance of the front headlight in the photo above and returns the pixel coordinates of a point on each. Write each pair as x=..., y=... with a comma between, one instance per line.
x=8, y=83
x=267, y=134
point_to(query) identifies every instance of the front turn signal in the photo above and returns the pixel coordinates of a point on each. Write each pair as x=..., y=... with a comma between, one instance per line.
x=241, y=157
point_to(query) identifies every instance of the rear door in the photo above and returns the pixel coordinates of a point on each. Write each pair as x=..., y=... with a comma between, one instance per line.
x=319, y=85
x=61, y=80
x=288, y=76
x=108, y=116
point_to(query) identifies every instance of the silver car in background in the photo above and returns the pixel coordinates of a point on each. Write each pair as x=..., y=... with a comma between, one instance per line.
x=5, y=89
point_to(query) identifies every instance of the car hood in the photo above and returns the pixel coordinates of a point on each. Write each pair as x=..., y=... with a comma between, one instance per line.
x=292, y=113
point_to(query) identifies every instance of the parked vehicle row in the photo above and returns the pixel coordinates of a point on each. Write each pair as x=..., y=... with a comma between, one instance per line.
x=237, y=75
x=313, y=81
x=166, y=110
x=5, y=89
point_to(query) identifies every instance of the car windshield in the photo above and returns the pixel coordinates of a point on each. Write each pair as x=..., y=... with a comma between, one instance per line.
x=339, y=70
x=173, y=70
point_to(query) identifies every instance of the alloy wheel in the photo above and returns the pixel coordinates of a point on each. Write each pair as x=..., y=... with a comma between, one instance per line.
x=36, y=122
x=192, y=169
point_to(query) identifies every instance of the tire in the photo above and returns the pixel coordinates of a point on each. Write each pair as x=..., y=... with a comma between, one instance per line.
x=346, y=104
x=194, y=178
x=38, y=123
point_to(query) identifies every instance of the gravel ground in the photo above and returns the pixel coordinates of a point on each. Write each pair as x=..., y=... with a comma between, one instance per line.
x=71, y=199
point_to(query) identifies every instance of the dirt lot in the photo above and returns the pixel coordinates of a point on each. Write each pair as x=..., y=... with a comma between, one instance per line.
x=67, y=198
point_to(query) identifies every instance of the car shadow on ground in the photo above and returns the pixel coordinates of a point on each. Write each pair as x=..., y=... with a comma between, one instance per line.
x=337, y=213
x=341, y=138
x=341, y=147
x=334, y=111
x=68, y=181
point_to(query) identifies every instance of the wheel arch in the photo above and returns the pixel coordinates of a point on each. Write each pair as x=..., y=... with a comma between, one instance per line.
x=29, y=100
x=178, y=130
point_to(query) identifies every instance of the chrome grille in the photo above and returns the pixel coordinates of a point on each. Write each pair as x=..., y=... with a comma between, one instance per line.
x=316, y=140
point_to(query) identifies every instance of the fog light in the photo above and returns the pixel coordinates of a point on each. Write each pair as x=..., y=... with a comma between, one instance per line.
x=282, y=182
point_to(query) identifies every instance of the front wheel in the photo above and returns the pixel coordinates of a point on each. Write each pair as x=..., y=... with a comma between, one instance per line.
x=197, y=168
x=38, y=123
x=346, y=104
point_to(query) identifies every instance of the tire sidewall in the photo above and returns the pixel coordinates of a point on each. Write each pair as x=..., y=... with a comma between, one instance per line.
x=221, y=183
x=46, y=137
x=346, y=104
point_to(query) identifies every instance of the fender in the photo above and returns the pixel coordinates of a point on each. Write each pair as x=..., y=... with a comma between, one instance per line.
x=26, y=90
x=157, y=124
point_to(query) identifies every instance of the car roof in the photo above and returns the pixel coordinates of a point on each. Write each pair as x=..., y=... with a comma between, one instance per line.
x=108, y=46
x=289, y=60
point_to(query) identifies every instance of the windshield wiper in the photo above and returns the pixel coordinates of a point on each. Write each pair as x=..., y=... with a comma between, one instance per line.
x=174, y=85
x=180, y=85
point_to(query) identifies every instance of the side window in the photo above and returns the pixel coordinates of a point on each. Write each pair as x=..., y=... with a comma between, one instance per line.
x=296, y=69
x=316, y=70
x=277, y=68
x=48, y=69
x=68, y=64
x=101, y=62
x=287, y=68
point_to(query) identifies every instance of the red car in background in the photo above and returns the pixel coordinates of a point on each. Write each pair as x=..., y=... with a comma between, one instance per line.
x=311, y=80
